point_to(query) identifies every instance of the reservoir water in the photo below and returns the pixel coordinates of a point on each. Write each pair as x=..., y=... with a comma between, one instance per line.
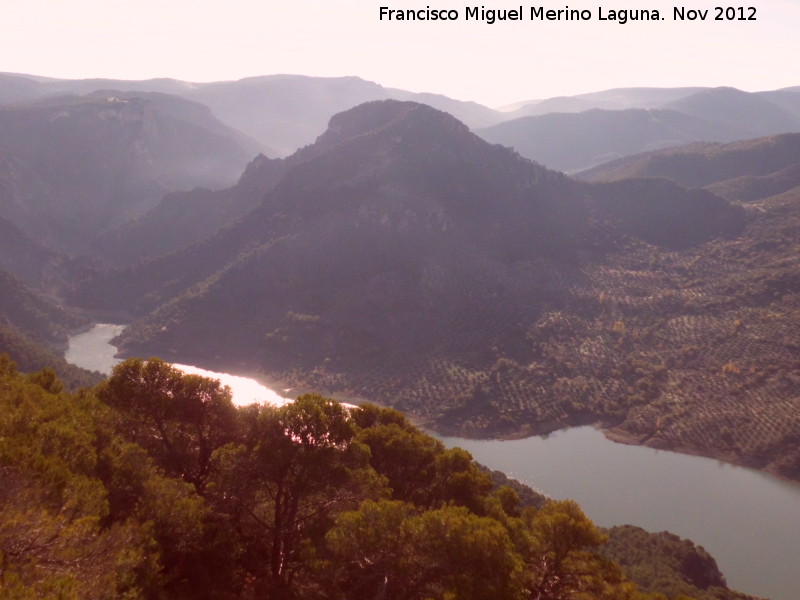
x=92, y=350
x=748, y=520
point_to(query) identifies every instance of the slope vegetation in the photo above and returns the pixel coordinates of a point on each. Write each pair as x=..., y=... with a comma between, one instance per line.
x=702, y=164
x=74, y=166
x=407, y=261
x=154, y=485
x=574, y=141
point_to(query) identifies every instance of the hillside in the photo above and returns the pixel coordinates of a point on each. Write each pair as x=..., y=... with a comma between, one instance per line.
x=702, y=164
x=76, y=166
x=613, y=99
x=666, y=564
x=735, y=107
x=33, y=332
x=127, y=490
x=30, y=356
x=408, y=262
x=432, y=192
x=39, y=319
x=181, y=219
x=788, y=99
x=282, y=112
x=290, y=111
x=26, y=258
x=574, y=141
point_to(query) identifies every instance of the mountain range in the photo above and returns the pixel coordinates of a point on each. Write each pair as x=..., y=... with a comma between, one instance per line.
x=285, y=112
x=72, y=167
x=402, y=258
x=329, y=234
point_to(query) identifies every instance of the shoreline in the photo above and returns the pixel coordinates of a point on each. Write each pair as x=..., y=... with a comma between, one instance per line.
x=610, y=430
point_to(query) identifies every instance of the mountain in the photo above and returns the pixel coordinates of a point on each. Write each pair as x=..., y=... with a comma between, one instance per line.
x=290, y=111
x=184, y=218
x=613, y=99
x=39, y=319
x=788, y=99
x=34, y=263
x=728, y=105
x=281, y=112
x=76, y=166
x=189, y=111
x=697, y=165
x=439, y=192
x=570, y=142
x=33, y=333
x=754, y=187
x=409, y=262
x=18, y=88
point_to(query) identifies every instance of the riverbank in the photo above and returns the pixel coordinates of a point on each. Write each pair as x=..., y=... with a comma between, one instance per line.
x=610, y=428
x=621, y=436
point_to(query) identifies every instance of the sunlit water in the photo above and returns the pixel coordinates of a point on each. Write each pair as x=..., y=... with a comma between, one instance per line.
x=243, y=389
x=749, y=520
x=92, y=350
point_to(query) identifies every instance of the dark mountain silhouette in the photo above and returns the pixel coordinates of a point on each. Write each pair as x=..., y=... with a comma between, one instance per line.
x=571, y=142
x=77, y=166
x=697, y=165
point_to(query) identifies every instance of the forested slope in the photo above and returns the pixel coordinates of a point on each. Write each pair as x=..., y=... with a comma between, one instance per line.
x=406, y=261
x=153, y=485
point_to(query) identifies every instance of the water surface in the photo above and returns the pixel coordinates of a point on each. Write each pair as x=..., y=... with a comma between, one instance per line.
x=747, y=519
x=92, y=350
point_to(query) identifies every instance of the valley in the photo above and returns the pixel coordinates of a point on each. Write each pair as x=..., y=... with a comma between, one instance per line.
x=335, y=236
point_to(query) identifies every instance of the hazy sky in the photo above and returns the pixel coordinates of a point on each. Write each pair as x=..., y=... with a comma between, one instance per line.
x=207, y=40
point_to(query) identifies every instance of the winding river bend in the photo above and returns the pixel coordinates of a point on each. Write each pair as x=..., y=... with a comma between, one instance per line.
x=749, y=520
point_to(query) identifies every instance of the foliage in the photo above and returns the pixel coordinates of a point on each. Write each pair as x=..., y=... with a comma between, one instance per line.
x=180, y=419
x=30, y=357
x=667, y=564
x=154, y=486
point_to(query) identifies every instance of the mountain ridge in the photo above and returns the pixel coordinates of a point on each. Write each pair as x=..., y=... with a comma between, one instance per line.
x=490, y=300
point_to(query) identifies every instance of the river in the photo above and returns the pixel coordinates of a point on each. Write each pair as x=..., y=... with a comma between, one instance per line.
x=92, y=350
x=748, y=520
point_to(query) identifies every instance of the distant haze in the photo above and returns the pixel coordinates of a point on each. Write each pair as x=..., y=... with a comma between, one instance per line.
x=208, y=40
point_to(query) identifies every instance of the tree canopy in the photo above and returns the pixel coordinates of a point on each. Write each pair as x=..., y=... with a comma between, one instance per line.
x=153, y=485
